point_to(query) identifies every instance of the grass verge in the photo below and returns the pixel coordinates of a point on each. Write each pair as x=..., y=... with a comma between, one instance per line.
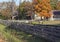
x=7, y=35
x=15, y=35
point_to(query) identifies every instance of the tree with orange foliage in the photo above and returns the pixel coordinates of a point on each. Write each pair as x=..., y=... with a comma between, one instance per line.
x=42, y=7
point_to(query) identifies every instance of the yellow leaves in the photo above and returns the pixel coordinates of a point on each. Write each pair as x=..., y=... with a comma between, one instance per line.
x=44, y=11
x=39, y=8
x=43, y=7
x=46, y=1
x=36, y=6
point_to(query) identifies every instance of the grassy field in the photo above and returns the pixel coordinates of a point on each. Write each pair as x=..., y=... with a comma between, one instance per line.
x=52, y=22
x=48, y=22
x=14, y=35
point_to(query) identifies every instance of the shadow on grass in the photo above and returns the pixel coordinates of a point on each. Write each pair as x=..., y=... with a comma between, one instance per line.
x=58, y=24
x=25, y=37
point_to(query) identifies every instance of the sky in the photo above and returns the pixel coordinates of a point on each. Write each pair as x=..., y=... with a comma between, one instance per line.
x=17, y=1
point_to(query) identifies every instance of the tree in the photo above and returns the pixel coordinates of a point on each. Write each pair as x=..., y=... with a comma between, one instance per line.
x=58, y=5
x=53, y=4
x=6, y=13
x=6, y=9
x=25, y=10
x=42, y=8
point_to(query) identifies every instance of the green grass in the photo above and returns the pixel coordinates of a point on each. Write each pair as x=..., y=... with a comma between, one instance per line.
x=7, y=35
x=15, y=35
x=51, y=22
x=2, y=17
x=48, y=22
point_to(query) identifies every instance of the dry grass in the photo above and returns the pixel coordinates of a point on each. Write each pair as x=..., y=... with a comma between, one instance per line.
x=47, y=22
x=51, y=22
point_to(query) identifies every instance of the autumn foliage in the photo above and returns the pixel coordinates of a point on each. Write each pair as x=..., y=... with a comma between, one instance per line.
x=6, y=13
x=42, y=8
x=58, y=5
